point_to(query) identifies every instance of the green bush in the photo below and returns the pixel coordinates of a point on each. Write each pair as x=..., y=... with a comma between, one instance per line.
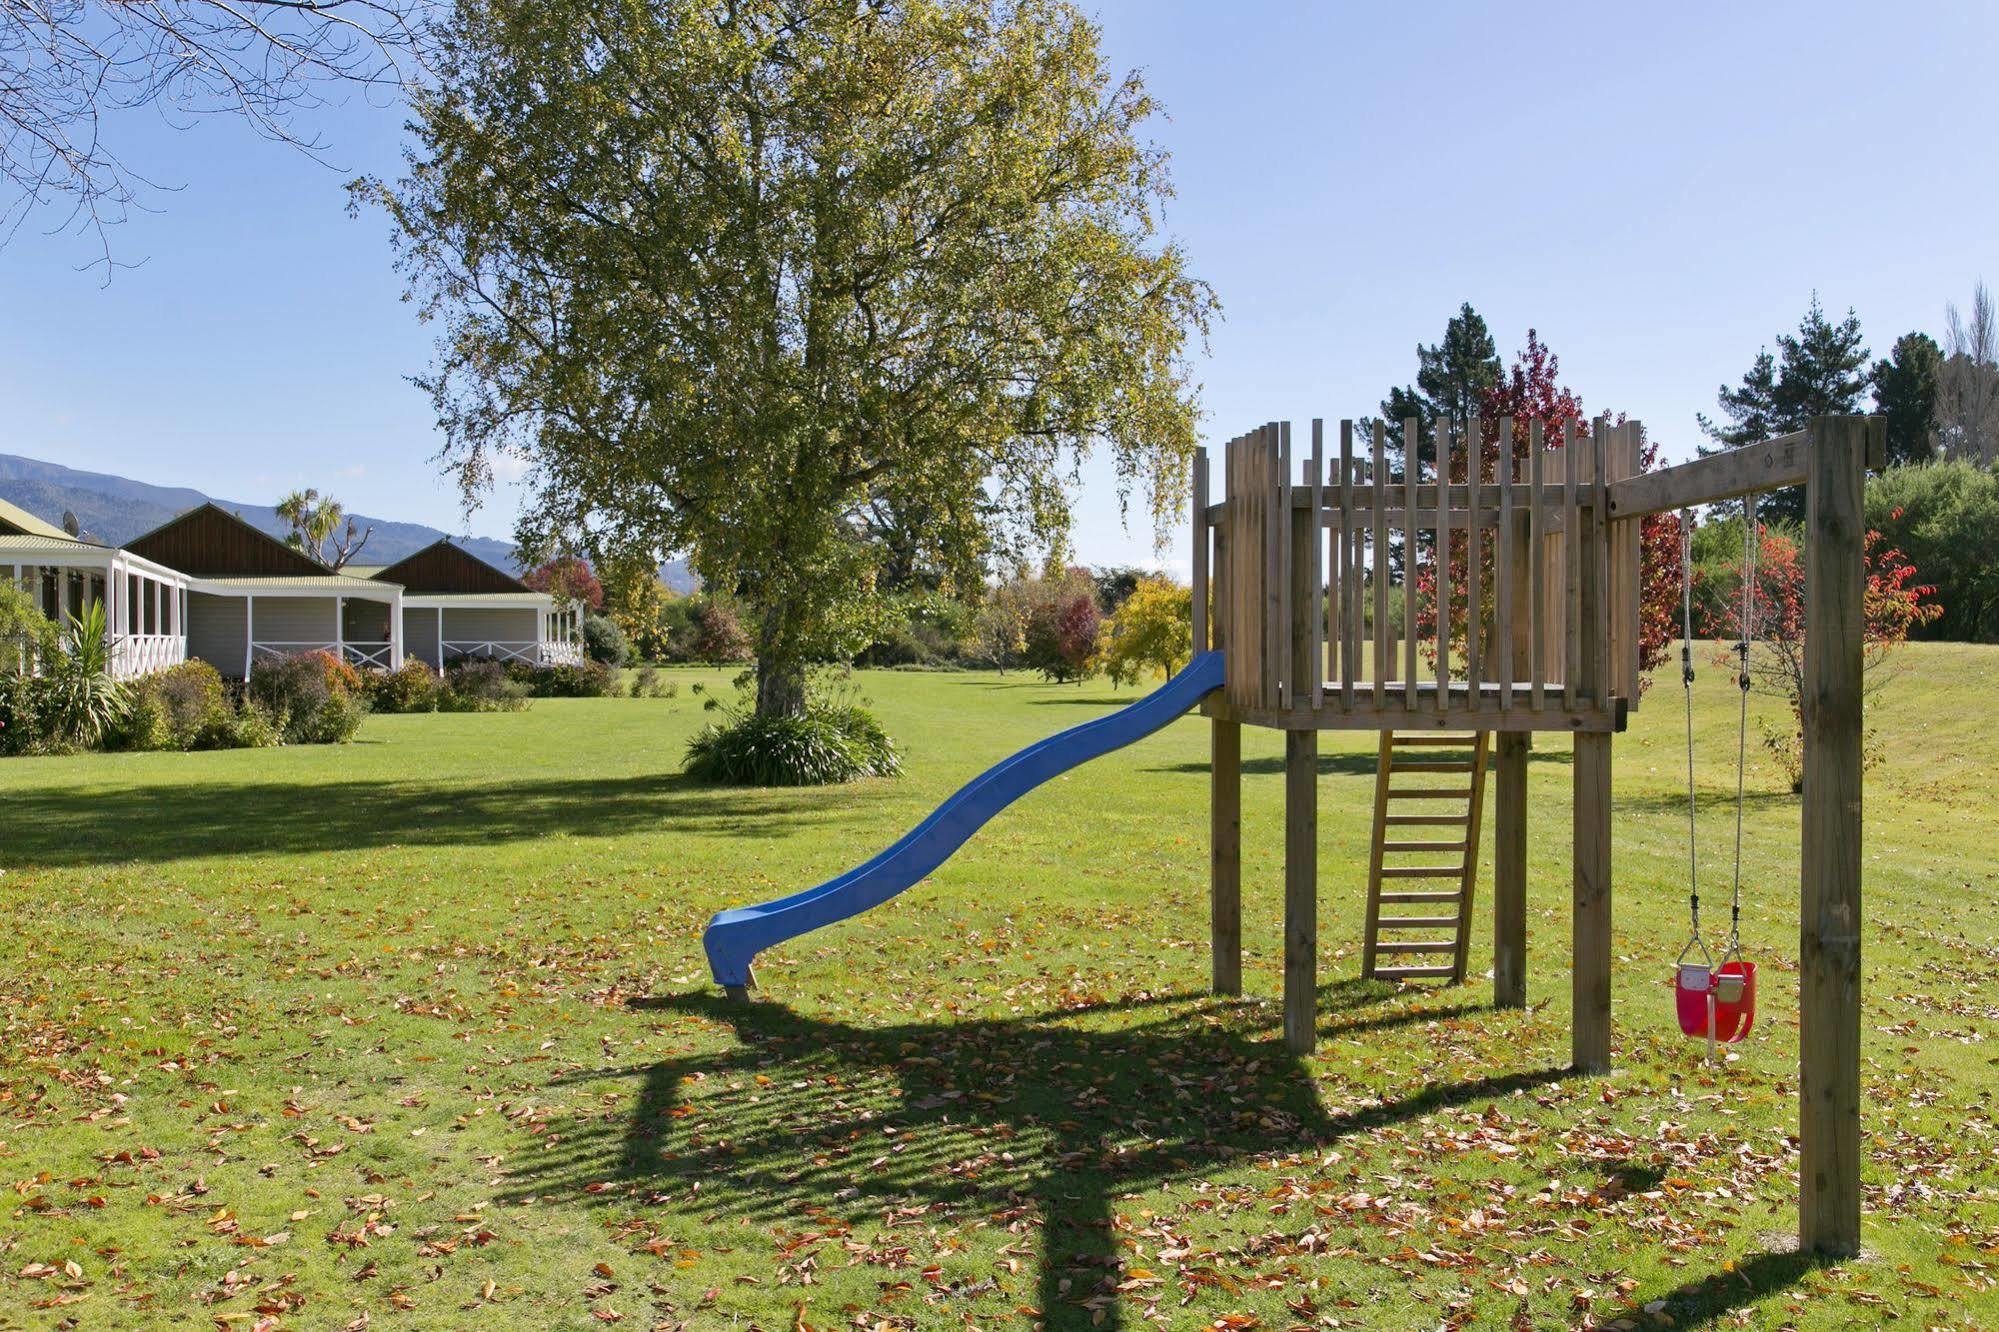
x=170, y=708
x=645, y=683
x=26, y=724
x=482, y=686
x=335, y=723
x=252, y=727
x=604, y=641
x=1944, y=518
x=828, y=744
x=590, y=679
x=411, y=687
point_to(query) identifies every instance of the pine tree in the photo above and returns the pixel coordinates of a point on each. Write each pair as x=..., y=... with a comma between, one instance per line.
x=1451, y=378
x=1905, y=391
x=1821, y=370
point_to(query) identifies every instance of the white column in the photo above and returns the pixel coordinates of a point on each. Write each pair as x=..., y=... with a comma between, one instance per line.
x=249, y=632
x=396, y=633
x=440, y=640
x=340, y=628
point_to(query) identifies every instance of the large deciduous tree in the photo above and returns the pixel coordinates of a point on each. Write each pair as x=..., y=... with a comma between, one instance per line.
x=1968, y=381
x=725, y=277
x=69, y=66
x=1821, y=370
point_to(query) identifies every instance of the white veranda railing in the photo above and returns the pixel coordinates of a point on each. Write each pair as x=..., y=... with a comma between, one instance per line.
x=132, y=655
x=376, y=655
x=528, y=651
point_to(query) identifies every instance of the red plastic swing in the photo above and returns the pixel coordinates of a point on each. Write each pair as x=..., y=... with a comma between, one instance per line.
x=1718, y=1003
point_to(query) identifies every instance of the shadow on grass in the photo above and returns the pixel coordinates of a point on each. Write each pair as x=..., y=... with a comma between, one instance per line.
x=1710, y=1300
x=1033, y=1120
x=57, y=828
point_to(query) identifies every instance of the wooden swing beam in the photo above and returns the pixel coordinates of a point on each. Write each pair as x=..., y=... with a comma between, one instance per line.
x=1291, y=600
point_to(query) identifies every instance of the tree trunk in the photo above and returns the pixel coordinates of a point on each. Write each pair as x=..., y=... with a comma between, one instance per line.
x=780, y=685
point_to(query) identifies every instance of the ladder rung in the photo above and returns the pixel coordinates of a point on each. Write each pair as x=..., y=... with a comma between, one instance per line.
x=1423, y=846
x=1465, y=741
x=1434, y=765
x=1420, y=793
x=1415, y=922
x=1427, y=820
x=1422, y=871
x=1421, y=895
x=1417, y=946
x=1413, y=973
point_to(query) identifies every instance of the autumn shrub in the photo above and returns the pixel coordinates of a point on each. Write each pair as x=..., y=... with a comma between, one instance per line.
x=310, y=697
x=171, y=708
x=482, y=686
x=589, y=679
x=411, y=687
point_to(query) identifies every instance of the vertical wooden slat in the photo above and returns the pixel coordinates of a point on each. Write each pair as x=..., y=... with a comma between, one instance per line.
x=1384, y=649
x=1315, y=609
x=1384, y=767
x=1537, y=560
x=1474, y=557
x=1573, y=622
x=1502, y=570
x=1829, y=916
x=1411, y=478
x=1277, y=532
x=1349, y=570
x=1443, y=566
x=1468, y=874
x=1199, y=590
x=1599, y=554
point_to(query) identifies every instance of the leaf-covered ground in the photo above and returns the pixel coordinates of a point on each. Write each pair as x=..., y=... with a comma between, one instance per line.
x=415, y=1033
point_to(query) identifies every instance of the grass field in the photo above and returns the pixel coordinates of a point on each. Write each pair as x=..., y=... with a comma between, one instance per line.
x=416, y=1033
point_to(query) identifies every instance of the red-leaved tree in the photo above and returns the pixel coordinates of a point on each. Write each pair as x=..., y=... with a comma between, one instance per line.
x=1531, y=391
x=1892, y=604
x=569, y=578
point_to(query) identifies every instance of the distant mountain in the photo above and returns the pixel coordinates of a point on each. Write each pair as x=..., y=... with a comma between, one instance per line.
x=115, y=509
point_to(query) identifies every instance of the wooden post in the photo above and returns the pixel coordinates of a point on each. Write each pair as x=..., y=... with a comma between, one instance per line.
x=1829, y=914
x=1301, y=817
x=1225, y=854
x=1224, y=780
x=1509, y=838
x=1509, y=874
x=1590, y=1038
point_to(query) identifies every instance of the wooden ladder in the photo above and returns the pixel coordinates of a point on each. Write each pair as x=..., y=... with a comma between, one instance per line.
x=1453, y=801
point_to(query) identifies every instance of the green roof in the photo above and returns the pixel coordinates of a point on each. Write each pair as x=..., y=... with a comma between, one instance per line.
x=330, y=583
x=362, y=570
x=16, y=516
x=59, y=541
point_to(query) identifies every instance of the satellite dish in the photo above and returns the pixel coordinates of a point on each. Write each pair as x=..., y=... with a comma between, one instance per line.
x=70, y=524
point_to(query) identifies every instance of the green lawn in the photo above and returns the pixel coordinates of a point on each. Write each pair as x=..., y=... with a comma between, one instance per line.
x=417, y=1031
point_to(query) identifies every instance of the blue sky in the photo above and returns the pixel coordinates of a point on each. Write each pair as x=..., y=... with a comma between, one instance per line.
x=1657, y=189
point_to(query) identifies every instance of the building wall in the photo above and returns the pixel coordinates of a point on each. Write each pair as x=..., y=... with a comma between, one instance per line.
x=420, y=633
x=513, y=624
x=301, y=623
x=215, y=632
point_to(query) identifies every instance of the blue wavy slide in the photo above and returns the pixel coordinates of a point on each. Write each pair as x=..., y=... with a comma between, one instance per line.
x=736, y=936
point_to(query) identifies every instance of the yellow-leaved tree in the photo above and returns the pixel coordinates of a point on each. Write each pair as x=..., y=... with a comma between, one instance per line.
x=1152, y=632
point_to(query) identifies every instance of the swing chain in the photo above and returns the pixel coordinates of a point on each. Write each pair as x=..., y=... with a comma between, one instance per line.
x=1751, y=542
x=1694, y=939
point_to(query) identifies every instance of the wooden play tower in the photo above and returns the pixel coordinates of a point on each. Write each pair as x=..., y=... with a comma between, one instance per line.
x=1527, y=569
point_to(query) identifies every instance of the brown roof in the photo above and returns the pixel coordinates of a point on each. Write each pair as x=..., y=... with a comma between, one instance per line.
x=210, y=541
x=442, y=567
